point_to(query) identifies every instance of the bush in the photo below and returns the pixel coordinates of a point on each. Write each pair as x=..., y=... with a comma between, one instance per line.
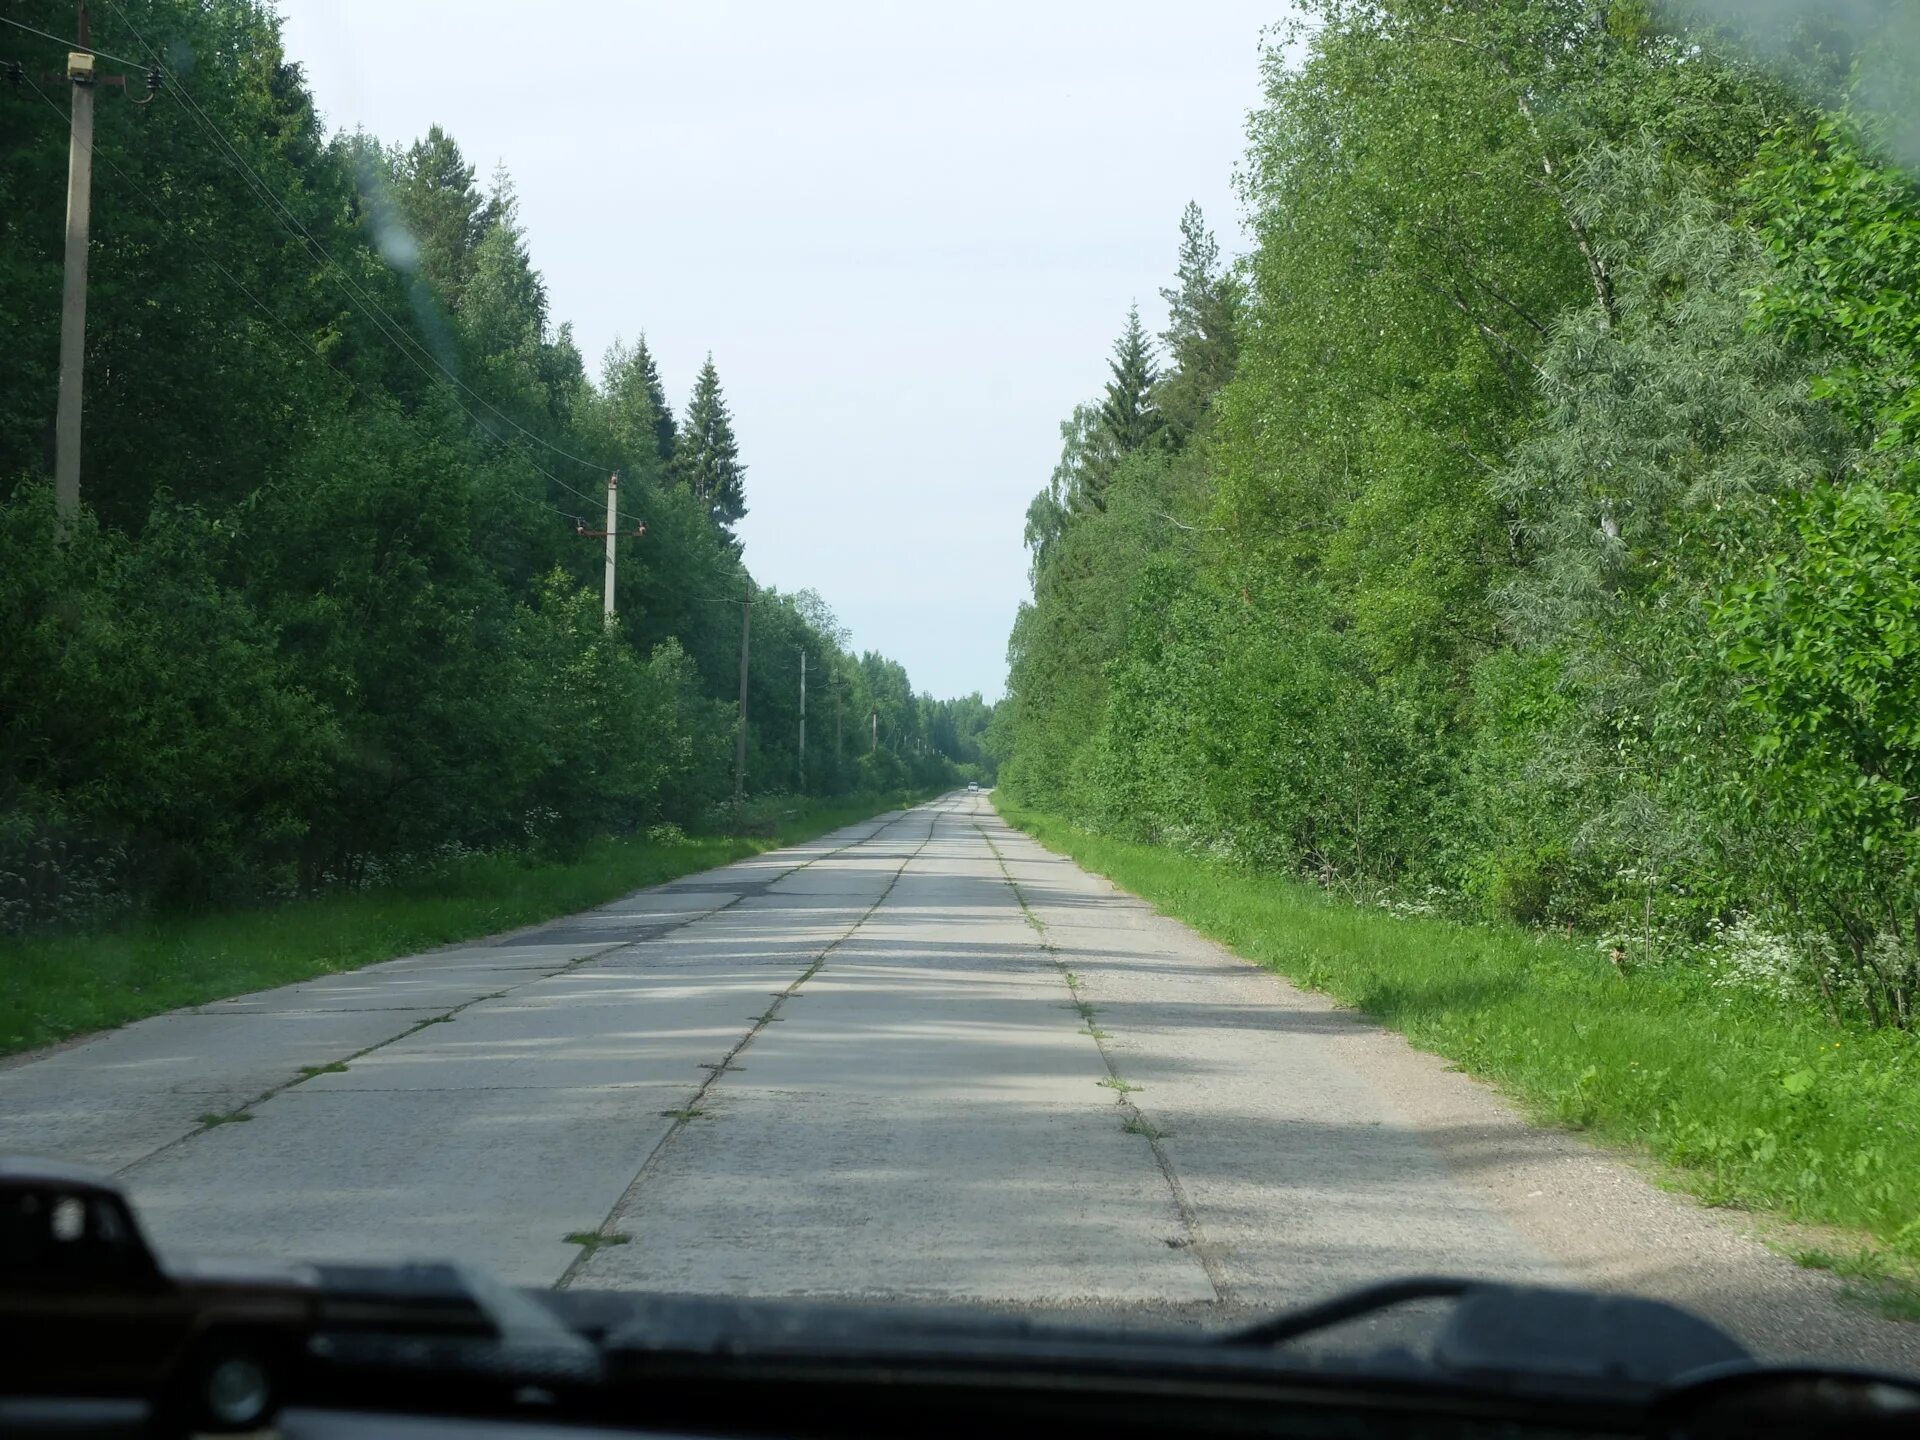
x=156, y=742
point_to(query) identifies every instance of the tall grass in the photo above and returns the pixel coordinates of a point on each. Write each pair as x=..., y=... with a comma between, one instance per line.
x=53, y=987
x=1752, y=1104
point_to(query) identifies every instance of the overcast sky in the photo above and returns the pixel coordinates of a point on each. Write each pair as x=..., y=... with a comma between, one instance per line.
x=908, y=233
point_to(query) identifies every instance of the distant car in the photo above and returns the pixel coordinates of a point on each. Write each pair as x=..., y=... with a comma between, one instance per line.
x=973, y=787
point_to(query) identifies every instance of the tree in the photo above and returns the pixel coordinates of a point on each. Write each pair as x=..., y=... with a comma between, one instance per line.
x=1200, y=340
x=707, y=457
x=1124, y=421
x=503, y=310
x=1128, y=414
x=1079, y=477
x=445, y=215
x=635, y=407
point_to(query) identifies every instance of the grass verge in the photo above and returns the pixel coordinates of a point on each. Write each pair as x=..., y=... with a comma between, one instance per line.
x=1749, y=1105
x=53, y=987
x=1871, y=1278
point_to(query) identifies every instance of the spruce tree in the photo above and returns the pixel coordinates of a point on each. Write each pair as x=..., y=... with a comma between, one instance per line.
x=1128, y=413
x=665, y=432
x=1199, y=337
x=707, y=457
x=1125, y=420
x=636, y=409
x=503, y=310
x=446, y=218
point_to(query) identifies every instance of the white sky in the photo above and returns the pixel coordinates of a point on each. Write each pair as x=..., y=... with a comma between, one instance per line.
x=908, y=233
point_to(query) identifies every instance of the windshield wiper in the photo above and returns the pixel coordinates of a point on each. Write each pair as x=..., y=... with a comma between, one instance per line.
x=1353, y=1305
x=1527, y=1331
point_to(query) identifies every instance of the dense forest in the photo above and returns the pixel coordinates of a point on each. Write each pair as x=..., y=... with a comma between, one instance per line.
x=324, y=611
x=1526, y=528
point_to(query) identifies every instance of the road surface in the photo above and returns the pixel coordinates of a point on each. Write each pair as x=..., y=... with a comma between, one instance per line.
x=920, y=1057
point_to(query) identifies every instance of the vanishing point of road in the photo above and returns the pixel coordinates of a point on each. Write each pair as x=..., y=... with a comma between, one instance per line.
x=919, y=1058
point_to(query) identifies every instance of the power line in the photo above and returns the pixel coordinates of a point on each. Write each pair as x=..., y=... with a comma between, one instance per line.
x=180, y=92
x=159, y=211
x=75, y=44
x=375, y=313
x=154, y=205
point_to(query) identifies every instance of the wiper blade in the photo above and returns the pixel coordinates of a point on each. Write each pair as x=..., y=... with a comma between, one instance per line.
x=1526, y=1331
x=1354, y=1305
x=503, y=1333
x=432, y=1296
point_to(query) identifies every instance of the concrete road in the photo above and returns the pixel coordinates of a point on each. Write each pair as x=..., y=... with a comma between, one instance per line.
x=918, y=1058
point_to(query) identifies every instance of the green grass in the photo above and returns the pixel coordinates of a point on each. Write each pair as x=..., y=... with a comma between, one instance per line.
x=53, y=987
x=1872, y=1281
x=1751, y=1106
x=592, y=1240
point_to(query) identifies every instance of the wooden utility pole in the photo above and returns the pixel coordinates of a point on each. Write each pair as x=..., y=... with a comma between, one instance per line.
x=839, y=750
x=73, y=295
x=740, y=739
x=611, y=533
x=873, y=720
x=803, y=721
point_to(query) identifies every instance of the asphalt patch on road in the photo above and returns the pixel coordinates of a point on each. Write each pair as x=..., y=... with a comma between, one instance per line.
x=725, y=887
x=606, y=932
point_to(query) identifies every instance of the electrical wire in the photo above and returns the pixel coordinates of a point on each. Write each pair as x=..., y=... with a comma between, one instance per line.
x=74, y=44
x=375, y=313
x=232, y=279
x=180, y=93
x=159, y=211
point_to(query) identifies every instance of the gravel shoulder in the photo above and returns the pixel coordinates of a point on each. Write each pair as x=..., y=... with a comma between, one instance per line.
x=1569, y=1211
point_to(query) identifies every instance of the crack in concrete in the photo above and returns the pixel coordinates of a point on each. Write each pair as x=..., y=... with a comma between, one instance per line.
x=1132, y=1121
x=602, y=1087
x=240, y=1111
x=692, y=1109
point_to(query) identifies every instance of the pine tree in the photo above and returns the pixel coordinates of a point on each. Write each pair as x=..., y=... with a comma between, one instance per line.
x=707, y=457
x=1199, y=336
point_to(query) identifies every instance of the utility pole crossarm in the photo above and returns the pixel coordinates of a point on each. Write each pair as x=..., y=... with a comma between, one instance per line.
x=610, y=534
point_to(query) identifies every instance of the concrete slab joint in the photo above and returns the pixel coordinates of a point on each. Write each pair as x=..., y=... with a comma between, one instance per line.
x=1010, y=1084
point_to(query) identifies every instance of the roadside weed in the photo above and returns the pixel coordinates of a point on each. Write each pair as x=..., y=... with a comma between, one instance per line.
x=592, y=1240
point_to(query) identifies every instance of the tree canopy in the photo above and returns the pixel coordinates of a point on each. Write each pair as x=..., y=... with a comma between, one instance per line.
x=1529, y=535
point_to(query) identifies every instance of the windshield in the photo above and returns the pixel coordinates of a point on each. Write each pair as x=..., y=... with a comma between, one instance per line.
x=1070, y=659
